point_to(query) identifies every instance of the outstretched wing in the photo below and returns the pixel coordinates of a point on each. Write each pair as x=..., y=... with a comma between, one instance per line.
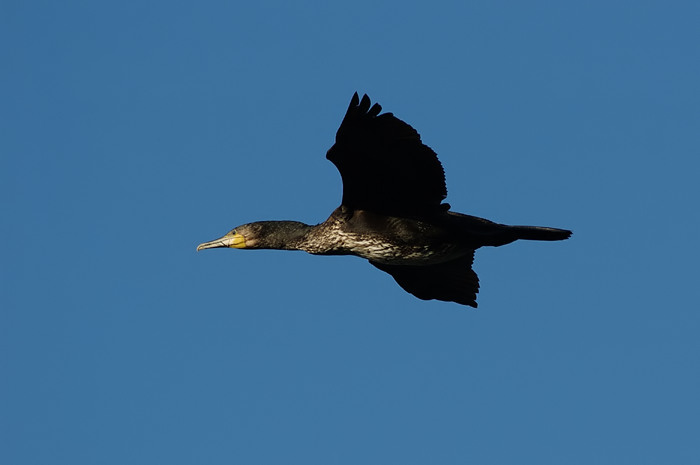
x=384, y=165
x=453, y=281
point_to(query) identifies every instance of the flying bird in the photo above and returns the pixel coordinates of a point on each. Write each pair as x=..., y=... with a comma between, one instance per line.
x=392, y=213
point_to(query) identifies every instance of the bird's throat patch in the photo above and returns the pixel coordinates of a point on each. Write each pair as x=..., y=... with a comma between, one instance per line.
x=238, y=241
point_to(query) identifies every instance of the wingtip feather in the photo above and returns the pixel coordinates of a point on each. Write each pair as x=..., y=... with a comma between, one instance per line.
x=365, y=103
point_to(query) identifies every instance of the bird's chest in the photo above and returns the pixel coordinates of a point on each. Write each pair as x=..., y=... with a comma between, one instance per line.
x=390, y=249
x=381, y=248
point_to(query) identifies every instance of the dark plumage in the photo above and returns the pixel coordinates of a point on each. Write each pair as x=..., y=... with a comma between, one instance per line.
x=392, y=213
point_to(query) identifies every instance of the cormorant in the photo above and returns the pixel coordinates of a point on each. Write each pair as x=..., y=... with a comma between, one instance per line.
x=392, y=213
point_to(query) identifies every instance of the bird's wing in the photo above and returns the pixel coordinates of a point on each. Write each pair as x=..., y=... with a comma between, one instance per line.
x=452, y=281
x=384, y=165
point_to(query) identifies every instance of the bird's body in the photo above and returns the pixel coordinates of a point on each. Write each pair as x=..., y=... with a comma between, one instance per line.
x=384, y=239
x=392, y=213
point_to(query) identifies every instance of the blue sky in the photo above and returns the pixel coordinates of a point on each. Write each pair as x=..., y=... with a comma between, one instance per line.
x=133, y=132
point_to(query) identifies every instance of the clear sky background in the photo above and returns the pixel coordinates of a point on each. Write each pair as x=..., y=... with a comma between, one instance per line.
x=132, y=131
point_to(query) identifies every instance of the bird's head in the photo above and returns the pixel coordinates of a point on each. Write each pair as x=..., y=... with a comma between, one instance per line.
x=241, y=237
x=261, y=235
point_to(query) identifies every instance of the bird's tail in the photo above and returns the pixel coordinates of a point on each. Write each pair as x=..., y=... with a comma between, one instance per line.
x=539, y=233
x=484, y=232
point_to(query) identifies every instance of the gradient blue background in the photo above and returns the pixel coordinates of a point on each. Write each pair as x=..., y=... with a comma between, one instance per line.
x=132, y=132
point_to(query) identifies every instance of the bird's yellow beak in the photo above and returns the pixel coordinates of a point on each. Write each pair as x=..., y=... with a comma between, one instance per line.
x=232, y=239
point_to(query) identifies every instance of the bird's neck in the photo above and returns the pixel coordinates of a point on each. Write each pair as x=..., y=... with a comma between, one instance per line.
x=284, y=235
